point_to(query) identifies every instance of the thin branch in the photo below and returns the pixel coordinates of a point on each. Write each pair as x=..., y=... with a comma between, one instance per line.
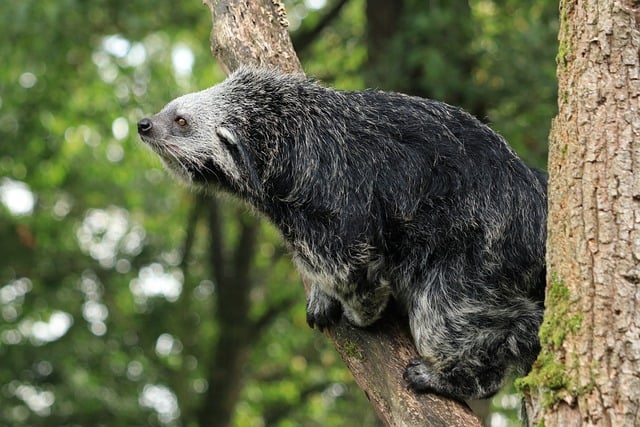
x=272, y=313
x=304, y=38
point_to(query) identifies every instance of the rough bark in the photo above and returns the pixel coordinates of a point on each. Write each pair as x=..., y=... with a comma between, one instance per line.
x=377, y=357
x=587, y=373
x=251, y=32
x=256, y=33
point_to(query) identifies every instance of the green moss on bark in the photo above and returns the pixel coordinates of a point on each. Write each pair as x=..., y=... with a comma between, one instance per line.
x=564, y=49
x=549, y=378
x=353, y=350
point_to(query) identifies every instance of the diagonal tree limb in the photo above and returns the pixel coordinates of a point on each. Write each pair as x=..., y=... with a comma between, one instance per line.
x=255, y=32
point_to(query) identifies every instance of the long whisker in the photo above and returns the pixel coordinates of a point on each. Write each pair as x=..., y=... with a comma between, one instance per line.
x=192, y=160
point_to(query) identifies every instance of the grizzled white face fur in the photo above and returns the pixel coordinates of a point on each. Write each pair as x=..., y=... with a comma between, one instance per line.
x=190, y=138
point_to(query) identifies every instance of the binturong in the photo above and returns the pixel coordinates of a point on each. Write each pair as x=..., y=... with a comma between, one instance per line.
x=381, y=195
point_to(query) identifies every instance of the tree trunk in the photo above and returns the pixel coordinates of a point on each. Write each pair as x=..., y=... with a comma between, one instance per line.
x=384, y=18
x=427, y=27
x=587, y=372
x=256, y=33
x=233, y=345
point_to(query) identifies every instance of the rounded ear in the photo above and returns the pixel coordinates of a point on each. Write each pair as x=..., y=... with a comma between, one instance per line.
x=226, y=136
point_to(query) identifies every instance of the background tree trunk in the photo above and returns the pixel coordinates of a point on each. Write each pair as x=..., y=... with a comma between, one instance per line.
x=256, y=33
x=233, y=345
x=427, y=27
x=587, y=373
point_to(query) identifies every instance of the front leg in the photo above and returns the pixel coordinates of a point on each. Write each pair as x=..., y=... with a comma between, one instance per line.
x=365, y=304
x=362, y=304
x=361, y=294
x=322, y=310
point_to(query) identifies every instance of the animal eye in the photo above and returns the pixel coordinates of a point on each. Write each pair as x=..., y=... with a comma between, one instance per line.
x=181, y=121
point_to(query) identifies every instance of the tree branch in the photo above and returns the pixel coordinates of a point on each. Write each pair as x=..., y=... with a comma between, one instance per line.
x=255, y=33
x=304, y=38
x=262, y=322
x=251, y=33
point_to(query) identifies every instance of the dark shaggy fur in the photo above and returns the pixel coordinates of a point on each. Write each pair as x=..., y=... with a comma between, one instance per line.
x=381, y=195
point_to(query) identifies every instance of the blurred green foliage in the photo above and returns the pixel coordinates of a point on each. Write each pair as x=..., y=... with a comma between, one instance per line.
x=101, y=321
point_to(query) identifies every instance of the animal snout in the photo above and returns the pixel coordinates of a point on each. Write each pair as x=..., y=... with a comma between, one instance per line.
x=144, y=126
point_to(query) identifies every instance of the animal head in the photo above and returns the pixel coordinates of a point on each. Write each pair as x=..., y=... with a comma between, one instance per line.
x=263, y=134
x=191, y=137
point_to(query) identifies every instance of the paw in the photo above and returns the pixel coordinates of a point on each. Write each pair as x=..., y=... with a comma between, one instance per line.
x=454, y=383
x=419, y=376
x=323, y=311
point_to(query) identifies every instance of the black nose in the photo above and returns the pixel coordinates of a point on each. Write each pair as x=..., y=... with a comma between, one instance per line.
x=144, y=126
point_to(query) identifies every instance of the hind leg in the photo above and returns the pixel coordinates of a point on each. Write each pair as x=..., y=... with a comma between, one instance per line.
x=469, y=346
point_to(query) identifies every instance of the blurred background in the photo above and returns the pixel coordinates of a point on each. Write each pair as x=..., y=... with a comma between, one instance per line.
x=129, y=300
